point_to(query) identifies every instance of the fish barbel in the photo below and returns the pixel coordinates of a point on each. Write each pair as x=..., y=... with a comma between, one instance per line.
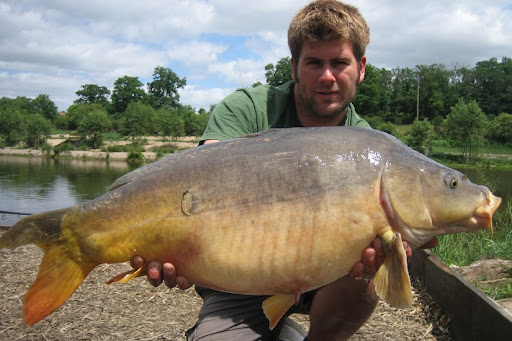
x=277, y=213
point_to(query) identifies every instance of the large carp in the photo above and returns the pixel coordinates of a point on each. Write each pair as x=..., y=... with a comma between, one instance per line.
x=277, y=213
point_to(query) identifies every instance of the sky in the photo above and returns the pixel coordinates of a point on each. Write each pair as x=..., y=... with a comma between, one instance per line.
x=54, y=47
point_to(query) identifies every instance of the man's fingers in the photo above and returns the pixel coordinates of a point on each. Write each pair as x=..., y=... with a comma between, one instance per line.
x=137, y=262
x=183, y=283
x=155, y=273
x=369, y=262
x=169, y=273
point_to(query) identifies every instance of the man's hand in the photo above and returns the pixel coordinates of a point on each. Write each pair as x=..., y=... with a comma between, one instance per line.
x=158, y=273
x=373, y=257
x=340, y=308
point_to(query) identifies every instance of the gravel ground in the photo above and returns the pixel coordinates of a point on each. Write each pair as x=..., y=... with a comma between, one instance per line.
x=137, y=311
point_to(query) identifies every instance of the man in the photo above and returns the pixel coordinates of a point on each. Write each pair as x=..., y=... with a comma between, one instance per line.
x=327, y=40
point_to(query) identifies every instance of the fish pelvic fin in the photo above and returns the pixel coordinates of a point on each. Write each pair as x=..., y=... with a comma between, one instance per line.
x=36, y=229
x=127, y=276
x=59, y=276
x=276, y=306
x=392, y=282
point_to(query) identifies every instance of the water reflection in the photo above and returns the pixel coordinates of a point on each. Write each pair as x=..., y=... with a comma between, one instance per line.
x=33, y=185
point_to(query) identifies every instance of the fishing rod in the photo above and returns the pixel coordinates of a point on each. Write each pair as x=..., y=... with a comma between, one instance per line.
x=16, y=213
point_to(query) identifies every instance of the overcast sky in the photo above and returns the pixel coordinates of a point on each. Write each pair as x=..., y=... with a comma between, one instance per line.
x=54, y=46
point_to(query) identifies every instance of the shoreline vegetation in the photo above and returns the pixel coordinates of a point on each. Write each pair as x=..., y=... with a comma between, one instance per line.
x=145, y=149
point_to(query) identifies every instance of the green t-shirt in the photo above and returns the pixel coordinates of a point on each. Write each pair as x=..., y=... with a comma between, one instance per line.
x=251, y=110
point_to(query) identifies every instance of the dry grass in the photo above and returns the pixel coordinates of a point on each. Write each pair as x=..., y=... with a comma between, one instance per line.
x=137, y=311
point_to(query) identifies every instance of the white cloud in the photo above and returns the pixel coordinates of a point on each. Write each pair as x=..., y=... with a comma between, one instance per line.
x=202, y=98
x=55, y=46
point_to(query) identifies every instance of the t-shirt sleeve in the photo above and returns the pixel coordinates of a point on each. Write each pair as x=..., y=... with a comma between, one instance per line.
x=234, y=116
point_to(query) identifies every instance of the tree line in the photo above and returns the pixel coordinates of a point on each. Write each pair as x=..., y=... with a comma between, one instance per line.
x=461, y=104
x=131, y=109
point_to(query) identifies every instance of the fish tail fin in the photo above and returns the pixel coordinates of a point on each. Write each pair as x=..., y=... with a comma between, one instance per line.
x=40, y=229
x=392, y=282
x=276, y=306
x=59, y=276
x=62, y=268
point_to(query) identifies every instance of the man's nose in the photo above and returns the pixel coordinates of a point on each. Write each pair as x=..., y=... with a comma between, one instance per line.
x=327, y=75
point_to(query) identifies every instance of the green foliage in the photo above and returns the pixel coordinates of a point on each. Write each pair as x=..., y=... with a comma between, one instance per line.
x=12, y=125
x=93, y=125
x=77, y=112
x=280, y=73
x=126, y=90
x=138, y=120
x=500, y=129
x=63, y=147
x=46, y=107
x=374, y=95
x=420, y=137
x=92, y=93
x=170, y=123
x=465, y=126
x=388, y=127
x=38, y=128
x=163, y=90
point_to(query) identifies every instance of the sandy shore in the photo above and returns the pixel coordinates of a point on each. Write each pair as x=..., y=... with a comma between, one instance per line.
x=97, y=154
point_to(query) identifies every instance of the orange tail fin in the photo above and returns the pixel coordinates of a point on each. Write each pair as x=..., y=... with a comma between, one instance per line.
x=58, y=277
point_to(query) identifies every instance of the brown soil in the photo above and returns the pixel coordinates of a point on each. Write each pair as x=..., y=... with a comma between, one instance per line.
x=137, y=311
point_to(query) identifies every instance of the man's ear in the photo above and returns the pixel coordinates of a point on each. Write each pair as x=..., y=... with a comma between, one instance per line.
x=362, y=69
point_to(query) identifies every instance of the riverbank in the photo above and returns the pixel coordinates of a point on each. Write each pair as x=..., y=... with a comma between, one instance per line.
x=148, y=143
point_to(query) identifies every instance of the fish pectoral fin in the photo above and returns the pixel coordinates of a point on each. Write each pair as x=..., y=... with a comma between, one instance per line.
x=392, y=282
x=276, y=306
x=127, y=276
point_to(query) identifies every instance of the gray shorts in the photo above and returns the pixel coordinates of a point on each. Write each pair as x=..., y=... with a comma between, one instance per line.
x=236, y=317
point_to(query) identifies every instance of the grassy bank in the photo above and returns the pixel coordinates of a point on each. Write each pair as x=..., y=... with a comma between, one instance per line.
x=466, y=248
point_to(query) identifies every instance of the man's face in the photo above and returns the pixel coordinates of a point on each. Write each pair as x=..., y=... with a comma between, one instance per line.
x=327, y=75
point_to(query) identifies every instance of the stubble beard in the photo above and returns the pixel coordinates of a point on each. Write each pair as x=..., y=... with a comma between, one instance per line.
x=313, y=108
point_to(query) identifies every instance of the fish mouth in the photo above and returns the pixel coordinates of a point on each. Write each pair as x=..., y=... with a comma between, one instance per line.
x=483, y=214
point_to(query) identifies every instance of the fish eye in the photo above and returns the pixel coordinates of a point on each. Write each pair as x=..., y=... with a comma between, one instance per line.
x=450, y=181
x=454, y=183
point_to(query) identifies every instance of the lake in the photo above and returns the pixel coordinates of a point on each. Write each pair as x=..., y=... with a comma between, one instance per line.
x=33, y=185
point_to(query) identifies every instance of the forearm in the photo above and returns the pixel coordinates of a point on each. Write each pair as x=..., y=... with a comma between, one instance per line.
x=339, y=309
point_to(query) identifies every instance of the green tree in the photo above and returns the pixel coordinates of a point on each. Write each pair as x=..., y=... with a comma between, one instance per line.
x=12, y=125
x=46, y=107
x=404, y=82
x=170, y=123
x=435, y=96
x=126, y=90
x=138, y=120
x=374, y=93
x=38, y=129
x=280, y=73
x=92, y=126
x=421, y=136
x=465, y=126
x=92, y=93
x=500, y=129
x=198, y=123
x=77, y=112
x=163, y=90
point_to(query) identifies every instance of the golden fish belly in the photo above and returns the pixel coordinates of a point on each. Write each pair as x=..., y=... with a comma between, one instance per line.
x=278, y=251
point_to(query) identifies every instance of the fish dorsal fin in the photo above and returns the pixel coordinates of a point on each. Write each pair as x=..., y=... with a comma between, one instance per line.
x=392, y=281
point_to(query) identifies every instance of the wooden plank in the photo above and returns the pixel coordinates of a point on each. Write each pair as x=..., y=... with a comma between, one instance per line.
x=475, y=316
